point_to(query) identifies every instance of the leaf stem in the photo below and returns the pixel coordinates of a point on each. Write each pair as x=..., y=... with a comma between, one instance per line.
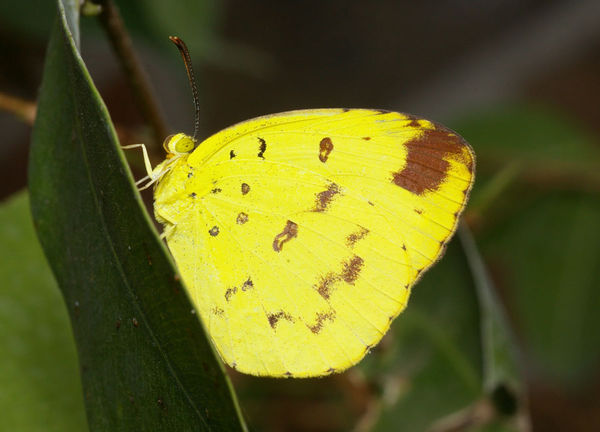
x=121, y=42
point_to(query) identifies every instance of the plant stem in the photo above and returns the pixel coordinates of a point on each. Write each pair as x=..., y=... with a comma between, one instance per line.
x=121, y=42
x=21, y=108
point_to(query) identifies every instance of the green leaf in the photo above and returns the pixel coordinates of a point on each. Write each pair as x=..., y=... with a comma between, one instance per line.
x=543, y=244
x=40, y=388
x=145, y=361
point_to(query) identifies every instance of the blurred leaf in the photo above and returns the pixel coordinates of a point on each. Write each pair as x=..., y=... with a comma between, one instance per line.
x=40, y=388
x=431, y=370
x=545, y=255
x=145, y=361
x=29, y=19
x=498, y=349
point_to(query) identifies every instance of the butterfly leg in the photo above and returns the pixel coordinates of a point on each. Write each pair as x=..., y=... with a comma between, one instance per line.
x=146, y=159
x=166, y=231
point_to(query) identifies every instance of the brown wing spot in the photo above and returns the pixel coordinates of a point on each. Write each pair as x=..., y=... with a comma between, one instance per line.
x=320, y=321
x=192, y=195
x=324, y=286
x=418, y=211
x=288, y=374
x=245, y=188
x=351, y=239
x=366, y=138
x=230, y=292
x=218, y=311
x=331, y=371
x=190, y=175
x=247, y=285
x=216, y=190
x=232, y=154
x=403, y=247
x=349, y=273
x=262, y=148
x=214, y=231
x=351, y=269
x=289, y=232
x=413, y=121
x=325, y=147
x=323, y=199
x=242, y=218
x=370, y=203
x=275, y=317
x=426, y=165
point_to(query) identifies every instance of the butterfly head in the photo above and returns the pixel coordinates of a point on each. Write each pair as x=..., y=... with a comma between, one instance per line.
x=178, y=145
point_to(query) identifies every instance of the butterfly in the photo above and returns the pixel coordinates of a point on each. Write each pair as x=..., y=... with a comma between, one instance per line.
x=299, y=235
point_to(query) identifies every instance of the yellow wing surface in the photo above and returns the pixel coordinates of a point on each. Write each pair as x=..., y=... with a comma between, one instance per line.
x=299, y=235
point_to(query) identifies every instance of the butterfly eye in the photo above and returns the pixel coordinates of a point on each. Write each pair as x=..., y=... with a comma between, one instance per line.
x=184, y=144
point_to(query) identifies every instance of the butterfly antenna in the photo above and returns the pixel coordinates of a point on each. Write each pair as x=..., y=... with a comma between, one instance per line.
x=187, y=60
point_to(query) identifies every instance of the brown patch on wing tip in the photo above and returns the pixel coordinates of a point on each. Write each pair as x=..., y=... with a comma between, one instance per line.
x=229, y=292
x=247, y=285
x=320, y=321
x=330, y=371
x=289, y=232
x=426, y=160
x=351, y=239
x=214, y=231
x=323, y=199
x=325, y=148
x=218, y=311
x=245, y=188
x=242, y=218
x=275, y=317
x=351, y=269
x=366, y=138
x=288, y=374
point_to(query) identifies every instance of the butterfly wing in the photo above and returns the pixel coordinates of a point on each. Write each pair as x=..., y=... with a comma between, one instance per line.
x=299, y=235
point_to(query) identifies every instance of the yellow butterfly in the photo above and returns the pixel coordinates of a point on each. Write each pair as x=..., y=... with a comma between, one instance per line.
x=299, y=235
